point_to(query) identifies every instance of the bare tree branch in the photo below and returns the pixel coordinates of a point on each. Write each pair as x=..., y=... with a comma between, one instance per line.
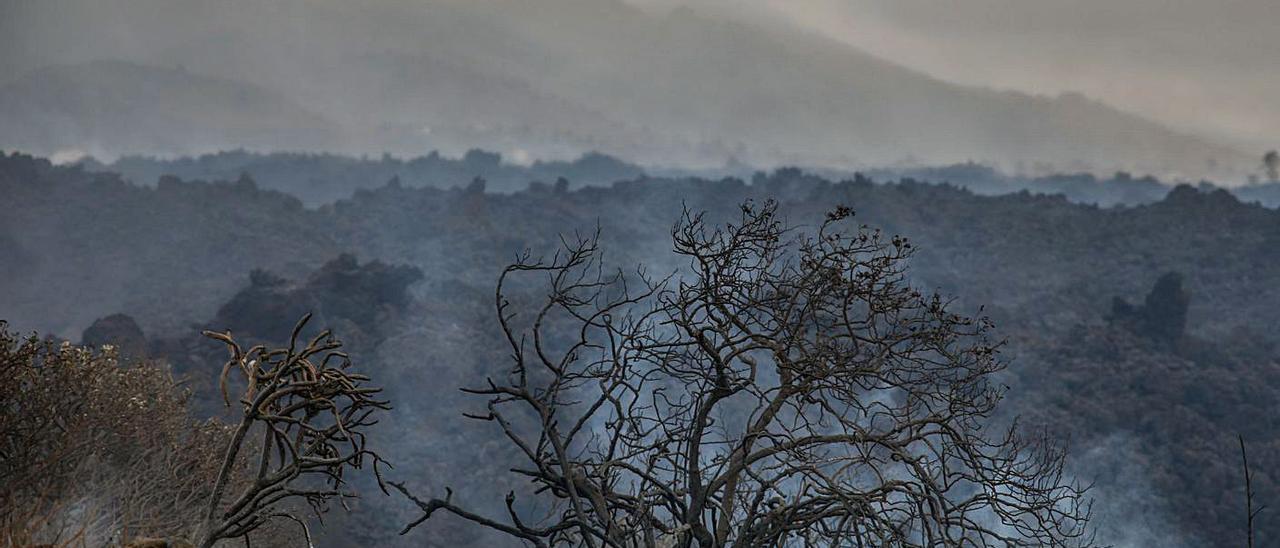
x=310, y=412
x=789, y=388
x=1250, y=513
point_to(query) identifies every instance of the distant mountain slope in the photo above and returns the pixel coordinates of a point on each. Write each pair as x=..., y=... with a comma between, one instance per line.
x=116, y=106
x=561, y=77
x=784, y=95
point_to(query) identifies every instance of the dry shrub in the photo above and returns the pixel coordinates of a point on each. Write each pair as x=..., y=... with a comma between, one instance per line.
x=94, y=451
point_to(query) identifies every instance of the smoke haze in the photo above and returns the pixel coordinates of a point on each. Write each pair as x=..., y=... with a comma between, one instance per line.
x=1206, y=67
x=694, y=84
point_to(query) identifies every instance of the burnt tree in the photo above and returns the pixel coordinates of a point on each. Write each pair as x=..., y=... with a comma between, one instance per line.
x=788, y=388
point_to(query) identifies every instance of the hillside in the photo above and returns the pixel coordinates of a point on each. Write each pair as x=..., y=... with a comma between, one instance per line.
x=1153, y=418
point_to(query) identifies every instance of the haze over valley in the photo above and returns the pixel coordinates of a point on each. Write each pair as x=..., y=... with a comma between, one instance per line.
x=693, y=86
x=639, y=273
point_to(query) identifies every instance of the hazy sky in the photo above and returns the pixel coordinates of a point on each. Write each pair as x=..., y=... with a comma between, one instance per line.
x=1208, y=66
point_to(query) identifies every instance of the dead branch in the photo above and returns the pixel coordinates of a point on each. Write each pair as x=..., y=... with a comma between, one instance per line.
x=307, y=414
x=1250, y=513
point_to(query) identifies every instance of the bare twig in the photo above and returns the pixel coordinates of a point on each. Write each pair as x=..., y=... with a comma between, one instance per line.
x=1250, y=513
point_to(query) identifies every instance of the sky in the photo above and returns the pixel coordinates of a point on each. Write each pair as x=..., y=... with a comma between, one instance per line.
x=1210, y=67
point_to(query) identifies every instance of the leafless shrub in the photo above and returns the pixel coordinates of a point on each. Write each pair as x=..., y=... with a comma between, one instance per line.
x=792, y=390
x=309, y=414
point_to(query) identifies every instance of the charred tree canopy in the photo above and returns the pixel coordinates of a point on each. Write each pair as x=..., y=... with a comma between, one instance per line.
x=1163, y=315
x=120, y=331
x=342, y=292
